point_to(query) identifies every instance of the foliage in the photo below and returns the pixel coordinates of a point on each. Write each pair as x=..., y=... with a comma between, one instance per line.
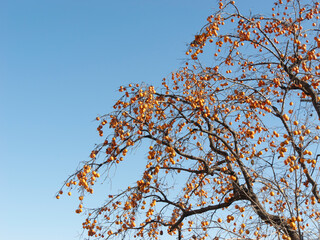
x=238, y=137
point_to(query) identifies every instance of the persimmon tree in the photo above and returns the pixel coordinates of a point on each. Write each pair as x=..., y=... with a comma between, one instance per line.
x=232, y=143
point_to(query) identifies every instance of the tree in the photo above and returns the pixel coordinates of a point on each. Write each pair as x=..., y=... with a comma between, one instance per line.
x=239, y=137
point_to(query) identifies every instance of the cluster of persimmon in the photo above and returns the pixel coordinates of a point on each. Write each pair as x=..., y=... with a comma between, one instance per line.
x=86, y=178
x=241, y=133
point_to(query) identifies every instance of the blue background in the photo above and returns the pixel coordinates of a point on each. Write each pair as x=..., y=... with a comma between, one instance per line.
x=61, y=63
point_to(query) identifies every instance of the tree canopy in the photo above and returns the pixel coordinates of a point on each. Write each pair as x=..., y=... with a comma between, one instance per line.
x=236, y=128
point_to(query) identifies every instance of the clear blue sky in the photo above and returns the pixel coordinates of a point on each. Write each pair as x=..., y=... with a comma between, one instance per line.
x=61, y=63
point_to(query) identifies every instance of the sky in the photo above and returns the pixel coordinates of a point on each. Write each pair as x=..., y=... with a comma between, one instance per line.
x=61, y=63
